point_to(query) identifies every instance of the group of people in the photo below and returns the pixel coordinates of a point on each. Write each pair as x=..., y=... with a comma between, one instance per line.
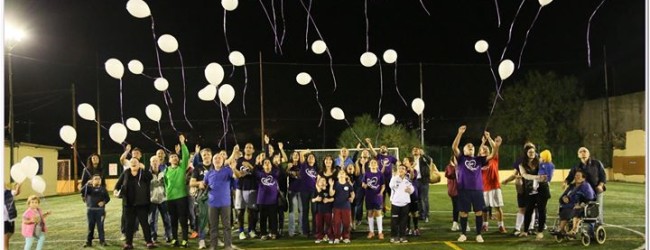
x=204, y=191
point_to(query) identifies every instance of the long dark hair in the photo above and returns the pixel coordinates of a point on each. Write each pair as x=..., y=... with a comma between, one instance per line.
x=525, y=160
x=89, y=162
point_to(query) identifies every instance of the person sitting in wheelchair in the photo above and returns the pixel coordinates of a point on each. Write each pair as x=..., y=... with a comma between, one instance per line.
x=572, y=202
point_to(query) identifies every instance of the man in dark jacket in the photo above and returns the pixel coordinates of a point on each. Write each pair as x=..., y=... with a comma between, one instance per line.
x=594, y=175
x=133, y=187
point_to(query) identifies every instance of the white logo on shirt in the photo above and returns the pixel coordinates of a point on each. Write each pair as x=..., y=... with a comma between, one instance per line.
x=471, y=165
x=311, y=172
x=373, y=183
x=268, y=180
x=346, y=188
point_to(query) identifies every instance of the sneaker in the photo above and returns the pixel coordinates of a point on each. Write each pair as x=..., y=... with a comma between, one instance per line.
x=502, y=229
x=127, y=247
x=416, y=232
x=516, y=233
x=479, y=239
x=123, y=237
x=184, y=244
x=174, y=243
x=523, y=234
x=194, y=235
x=325, y=238
x=242, y=236
x=403, y=240
x=462, y=238
x=358, y=223
x=393, y=240
x=409, y=232
x=252, y=234
x=539, y=236
x=201, y=244
x=336, y=241
x=331, y=242
x=318, y=241
x=273, y=236
x=264, y=237
x=455, y=227
x=371, y=235
x=426, y=220
x=346, y=241
x=150, y=245
x=381, y=236
x=88, y=244
x=484, y=228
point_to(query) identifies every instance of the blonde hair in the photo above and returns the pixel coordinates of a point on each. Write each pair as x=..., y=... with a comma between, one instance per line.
x=32, y=198
x=546, y=156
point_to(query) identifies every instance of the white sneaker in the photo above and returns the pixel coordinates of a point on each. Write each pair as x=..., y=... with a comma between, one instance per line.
x=252, y=234
x=317, y=241
x=462, y=238
x=540, y=236
x=346, y=241
x=455, y=227
x=479, y=239
x=336, y=241
x=242, y=236
x=201, y=244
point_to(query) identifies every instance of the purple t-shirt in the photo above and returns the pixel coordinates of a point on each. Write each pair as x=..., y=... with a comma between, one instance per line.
x=386, y=161
x=219, y=183
x=374, y=181
x=308, y=178
x=342, y=194
x=267, y=188
x=468, y=172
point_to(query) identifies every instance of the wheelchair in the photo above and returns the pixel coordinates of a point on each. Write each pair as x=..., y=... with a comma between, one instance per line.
x=589, y=227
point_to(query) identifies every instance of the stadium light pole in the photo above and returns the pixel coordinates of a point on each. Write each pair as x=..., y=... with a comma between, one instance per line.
x=13, y=36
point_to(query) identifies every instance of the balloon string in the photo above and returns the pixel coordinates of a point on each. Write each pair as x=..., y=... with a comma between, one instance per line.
x=225, y=35
x=234, y=134
x=425, y=8
x=121, y=106
x=496, y=84
x=377, y=135
x=589, y=31
x=245, y=87
x=354, y=132
x=169, y=112
x=275, y=27
x=319, y=104
x=161, y=136
x=284, y=26
x=494, y=104
x=397, y=88
x=365, y=11
x=510, y=32
x=166, y=92
x=321, y=38
x=496, y=4
x=159, y=145
x=307, y=26
x=180, y=55
x=225, y=139
x=223, y=123
x=275, y=33
x=155, y=45
x=526, y=38
x=147, y=76
x=381, y=89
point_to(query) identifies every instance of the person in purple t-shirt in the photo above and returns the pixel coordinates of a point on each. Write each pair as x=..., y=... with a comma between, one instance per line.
x=470, y=184
x=373, y=183
x=267, y=198
x=386, y=163
x=218, y=181
x=307, y=175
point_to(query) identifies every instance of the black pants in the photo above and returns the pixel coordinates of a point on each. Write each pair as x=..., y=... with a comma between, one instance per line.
x=399, y=219
x=454, y=205
x=178, y=211
x=95, y=217
x=305, y=197
x=123, y=223
x=268, y=216
x=539, y=202
x=141, y=213
x=358, y=204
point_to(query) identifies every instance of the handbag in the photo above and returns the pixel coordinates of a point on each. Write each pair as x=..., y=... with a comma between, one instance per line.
x=434, y=176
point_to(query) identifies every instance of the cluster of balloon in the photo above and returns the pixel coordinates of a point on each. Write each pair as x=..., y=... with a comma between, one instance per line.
x=368, y=59
x=417, y=105
x=214, y=74
x=388, y=119
x=28, y=168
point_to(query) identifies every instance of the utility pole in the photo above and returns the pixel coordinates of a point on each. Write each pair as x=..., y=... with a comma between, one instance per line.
x=422, y=114
x=74, y=145
x=261, y=102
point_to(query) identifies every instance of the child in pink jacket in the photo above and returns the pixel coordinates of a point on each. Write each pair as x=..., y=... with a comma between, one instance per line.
x=34, y=223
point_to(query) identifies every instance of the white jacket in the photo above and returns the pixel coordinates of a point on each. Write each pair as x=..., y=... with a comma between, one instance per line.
x=399, y=197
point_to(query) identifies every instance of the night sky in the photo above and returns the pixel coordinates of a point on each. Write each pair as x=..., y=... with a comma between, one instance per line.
x=69, y=41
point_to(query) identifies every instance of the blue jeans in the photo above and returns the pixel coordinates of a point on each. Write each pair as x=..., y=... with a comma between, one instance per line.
x=95, y=217
x=295, y=210
x=359, y=195
x=423, y=191
x=153, y=220
x=30, y=240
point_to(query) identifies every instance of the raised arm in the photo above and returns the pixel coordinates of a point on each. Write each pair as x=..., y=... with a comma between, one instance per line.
x=233, y=156
x=283, y=154
x=127, y=150
x=185, y=153
x=454, y=145
x=371, y=147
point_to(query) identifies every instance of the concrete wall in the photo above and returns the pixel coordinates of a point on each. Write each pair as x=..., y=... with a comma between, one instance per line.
x=50, y=156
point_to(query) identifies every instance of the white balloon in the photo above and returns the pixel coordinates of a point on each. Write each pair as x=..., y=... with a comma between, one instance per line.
x=161, y=84
x=29, y=166
x=68, y=134
x=337, y=113
x=506, y=67
x=229, y=5
x=226, y=94
x=214, y=73
x=153, y=112
x=117, y=131
x=38, y=184
x=167, y=43
x=390, y=56
x=544, y=2
x=208, y=93
x=16, y=173
x=86, y=111
x=318, y=47
x=368, y=59
x=135, y=67
x=417, y=105
x=114, y=68
x=133, y=124
x=138, y=8
x=388, y=119
x=237, y=58
x=481, y=46
x=303, y=78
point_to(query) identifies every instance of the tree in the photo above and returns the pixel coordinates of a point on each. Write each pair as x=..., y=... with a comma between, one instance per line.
x=543, y=108
x=392, y=136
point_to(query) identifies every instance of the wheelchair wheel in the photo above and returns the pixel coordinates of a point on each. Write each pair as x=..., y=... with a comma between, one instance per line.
x=600, y=234
x=586, y=240
x=559, y=238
